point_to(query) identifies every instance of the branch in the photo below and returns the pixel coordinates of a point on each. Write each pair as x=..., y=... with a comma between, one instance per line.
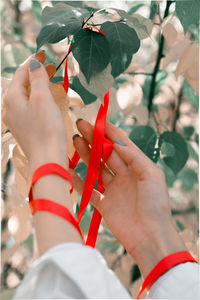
x=156, y=68
x=177, y=115
x=139, y=73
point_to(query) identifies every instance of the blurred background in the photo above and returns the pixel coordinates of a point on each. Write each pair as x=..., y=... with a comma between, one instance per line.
x=176, y=109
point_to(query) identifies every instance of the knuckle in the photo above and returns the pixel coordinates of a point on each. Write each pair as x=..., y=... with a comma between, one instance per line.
x=39, y=94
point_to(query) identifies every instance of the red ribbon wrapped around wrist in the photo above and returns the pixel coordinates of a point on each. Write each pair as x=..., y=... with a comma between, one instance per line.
x=49, y=205
x=164, y=265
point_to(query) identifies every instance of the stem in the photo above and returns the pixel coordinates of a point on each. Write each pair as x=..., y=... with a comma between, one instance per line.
x=140, y=73
x=156, y=68
x=177, y=115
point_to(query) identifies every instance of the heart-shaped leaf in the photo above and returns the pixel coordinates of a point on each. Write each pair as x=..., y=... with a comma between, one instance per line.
x=181, y=154
x=123, y=42
x=145, y=138
x=54, y=33
x=91, y=50
x=59, y=13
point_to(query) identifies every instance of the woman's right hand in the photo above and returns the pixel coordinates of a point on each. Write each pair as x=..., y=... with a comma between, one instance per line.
x=135, y=204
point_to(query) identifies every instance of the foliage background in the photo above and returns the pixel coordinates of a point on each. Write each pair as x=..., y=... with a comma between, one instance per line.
x=175, y=108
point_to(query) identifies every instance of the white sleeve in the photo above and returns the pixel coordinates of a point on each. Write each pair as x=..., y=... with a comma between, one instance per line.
x=180, y=282
x=71, y=271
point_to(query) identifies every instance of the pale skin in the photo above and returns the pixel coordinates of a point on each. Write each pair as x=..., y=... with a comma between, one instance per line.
x=135, y=205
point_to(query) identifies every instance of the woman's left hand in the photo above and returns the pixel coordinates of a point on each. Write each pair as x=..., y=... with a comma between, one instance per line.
x=35, y=120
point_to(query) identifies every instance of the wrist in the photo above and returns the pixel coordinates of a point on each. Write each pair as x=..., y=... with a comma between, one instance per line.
x=50, y=154
x=155, y=246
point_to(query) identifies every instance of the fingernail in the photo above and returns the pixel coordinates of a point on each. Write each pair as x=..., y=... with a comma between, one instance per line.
x=75, y=136
x=34, y=64
x=119, y=142
x=78, y=120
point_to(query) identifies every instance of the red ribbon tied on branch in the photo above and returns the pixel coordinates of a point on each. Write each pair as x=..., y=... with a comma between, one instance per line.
x=101, y=149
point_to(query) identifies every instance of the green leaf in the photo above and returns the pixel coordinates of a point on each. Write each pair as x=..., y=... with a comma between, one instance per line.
x=153, y=10
x=119, y=81
x=194, y=31
x=169, y=174
x=81, y=170
x=167, y=149
x=123, y=42
x=135, y=273
x=189, y=93
x=86, y=96
x=141, y=25
x=134, y=8
x=188, y=178
x=60, y=13
x=192, y=152
x=176, y=162
x=85, y=9
x=71, y=3
x=187, y=12
x=188, y=131
x=145, y=138
x=179, y=225
x=37, y=9
x=99, y=84
x=155, y=108
x=56, y=79
x=91, y=50
x=29, y=242
x=85, y=220
x=10, y=70
x=196, y=137
x=109, y=246
x=51, y=34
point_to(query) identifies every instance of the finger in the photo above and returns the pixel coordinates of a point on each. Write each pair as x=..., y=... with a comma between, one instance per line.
x=141, y=167
x=39, y=80
x=78, y=184
x=20, y=80
x=112, y=132
x=84, y=152
x=41, y=56
x=114, y=162
x=50, y=69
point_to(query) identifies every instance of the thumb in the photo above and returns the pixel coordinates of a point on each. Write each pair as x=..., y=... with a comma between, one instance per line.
x=38, y=76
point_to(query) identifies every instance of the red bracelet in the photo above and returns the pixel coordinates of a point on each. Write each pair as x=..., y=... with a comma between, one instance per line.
x=165, y=264
x=56, y=209
x=49, y=205
x=48, y=169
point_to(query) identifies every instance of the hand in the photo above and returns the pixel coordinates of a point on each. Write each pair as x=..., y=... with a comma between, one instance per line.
x=135, y=204
x=35, y=121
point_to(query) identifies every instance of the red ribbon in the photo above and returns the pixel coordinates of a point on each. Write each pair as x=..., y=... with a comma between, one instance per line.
x=66, y=79
x=100, y=148
x=49, y=168
x=165, y=264
x=56, y=209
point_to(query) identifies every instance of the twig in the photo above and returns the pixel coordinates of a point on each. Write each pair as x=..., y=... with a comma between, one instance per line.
x=177, y=115
x=156, y=68
x=139, y=73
